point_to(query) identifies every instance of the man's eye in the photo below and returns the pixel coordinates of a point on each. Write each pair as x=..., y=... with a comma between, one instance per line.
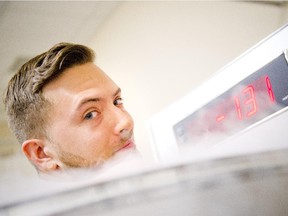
x=90, y=115
x=118, y=101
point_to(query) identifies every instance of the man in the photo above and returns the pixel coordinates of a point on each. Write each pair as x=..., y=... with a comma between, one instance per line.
x=66, y=112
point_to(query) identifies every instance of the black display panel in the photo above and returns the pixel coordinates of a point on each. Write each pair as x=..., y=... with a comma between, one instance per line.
x=252, y=99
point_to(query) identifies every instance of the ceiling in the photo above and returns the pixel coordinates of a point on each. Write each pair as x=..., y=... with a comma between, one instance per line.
x=31, y=27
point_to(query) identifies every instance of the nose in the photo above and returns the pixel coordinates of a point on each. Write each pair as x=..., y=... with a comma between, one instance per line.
x=124, y=122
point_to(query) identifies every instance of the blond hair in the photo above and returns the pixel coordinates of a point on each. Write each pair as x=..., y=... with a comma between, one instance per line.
x=24, y=102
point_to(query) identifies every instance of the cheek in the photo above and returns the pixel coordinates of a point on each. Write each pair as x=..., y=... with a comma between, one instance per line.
x=97, y=142
x=89, y=144
x=85, y=140
x=68, y=139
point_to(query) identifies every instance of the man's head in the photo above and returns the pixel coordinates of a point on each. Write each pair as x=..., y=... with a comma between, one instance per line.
x=65, y=111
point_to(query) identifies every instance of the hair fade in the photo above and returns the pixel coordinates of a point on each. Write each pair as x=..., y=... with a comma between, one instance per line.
x=25, y=105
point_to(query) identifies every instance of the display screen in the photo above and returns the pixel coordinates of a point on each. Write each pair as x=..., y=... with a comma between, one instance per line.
x=254, y=98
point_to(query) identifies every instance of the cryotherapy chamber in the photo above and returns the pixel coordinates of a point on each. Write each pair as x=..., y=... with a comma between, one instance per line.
x=223, y=150
x=241, y=109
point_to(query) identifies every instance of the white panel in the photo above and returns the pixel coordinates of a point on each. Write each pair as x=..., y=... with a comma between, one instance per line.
x=162, y=135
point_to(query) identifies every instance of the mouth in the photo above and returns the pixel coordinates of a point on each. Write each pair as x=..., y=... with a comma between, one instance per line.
x=129, y=144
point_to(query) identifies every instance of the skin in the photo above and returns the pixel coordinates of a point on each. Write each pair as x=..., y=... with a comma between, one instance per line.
x=87, y=123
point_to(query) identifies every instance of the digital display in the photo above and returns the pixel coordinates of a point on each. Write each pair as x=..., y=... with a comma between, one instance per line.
x=254, y=98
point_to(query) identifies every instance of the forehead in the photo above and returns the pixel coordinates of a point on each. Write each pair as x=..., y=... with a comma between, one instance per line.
x=78, y=79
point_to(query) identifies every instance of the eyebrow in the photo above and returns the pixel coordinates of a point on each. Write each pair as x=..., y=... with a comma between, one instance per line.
x=86, y=100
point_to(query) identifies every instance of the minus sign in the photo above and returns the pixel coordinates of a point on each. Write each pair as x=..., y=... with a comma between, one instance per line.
x=220, y=118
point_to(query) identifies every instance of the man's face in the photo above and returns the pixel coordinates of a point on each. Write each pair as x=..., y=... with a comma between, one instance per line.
x=88, y=123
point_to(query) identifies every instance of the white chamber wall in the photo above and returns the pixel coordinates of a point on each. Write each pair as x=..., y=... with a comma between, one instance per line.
x=159, y=51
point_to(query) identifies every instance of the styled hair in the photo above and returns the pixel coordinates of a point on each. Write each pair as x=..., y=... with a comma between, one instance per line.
x=25, y=105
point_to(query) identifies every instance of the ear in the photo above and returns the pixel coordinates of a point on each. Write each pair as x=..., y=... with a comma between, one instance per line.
x=34, y=149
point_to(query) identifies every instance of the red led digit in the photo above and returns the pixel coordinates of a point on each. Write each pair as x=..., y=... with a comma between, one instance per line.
x=250, y=90
x=220, y=118
x=238, y=109
x=269, y=88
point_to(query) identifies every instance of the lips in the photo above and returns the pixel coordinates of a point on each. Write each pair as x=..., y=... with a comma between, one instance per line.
x=129, y=144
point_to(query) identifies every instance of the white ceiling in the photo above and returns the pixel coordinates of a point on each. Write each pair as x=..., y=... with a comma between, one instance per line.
x=28, y=28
